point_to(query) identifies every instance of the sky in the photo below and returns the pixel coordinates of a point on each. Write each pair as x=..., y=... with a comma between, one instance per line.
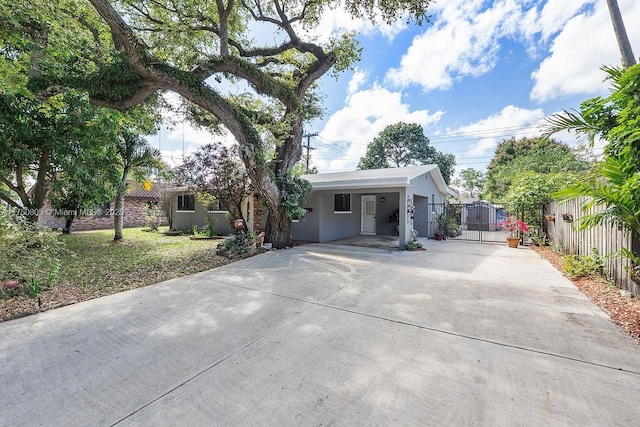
x=477, y=73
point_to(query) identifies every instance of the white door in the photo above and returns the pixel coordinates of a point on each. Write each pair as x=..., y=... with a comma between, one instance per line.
x=368, y=215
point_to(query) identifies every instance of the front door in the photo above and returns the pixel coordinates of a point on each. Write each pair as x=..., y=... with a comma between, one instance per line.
x=368, y=215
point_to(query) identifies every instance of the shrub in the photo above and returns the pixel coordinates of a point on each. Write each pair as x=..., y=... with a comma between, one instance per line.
x=153, y=216
x=28, y=253
x=584, y=265
x=239, y=243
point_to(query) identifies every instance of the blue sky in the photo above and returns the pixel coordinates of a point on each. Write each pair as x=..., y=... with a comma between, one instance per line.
x=479, y=72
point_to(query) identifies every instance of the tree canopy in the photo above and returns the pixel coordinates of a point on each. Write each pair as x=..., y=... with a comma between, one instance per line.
x=124, y=52
x=470, y=182
x=404, y=144
x=539, y=155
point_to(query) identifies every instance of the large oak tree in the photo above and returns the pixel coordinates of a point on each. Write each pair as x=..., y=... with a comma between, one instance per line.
x=260, y=91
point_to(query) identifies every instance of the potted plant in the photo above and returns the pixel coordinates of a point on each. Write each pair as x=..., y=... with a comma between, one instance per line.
x=567, y=217
x=394, y=220
x=453, y=229
x=414, y=245
x=550, y=217
x=514, y=226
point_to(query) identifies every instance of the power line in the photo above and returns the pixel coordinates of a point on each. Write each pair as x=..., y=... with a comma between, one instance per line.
x=308, y=146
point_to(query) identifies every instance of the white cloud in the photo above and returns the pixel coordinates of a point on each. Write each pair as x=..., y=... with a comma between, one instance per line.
x=586, y=43
x=366, y=114
x=516, y=121
x=464, y=41
x=337, y=21
x=576, y=36
x=551, y=18
x=357, y=80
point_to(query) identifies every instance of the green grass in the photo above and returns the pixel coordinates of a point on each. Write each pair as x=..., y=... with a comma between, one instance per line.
x=97, y=264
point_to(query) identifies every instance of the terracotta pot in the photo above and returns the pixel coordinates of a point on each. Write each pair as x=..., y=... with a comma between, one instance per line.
x=513, y=241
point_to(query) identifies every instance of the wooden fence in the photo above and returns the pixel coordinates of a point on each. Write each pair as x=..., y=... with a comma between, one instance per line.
x=606, y=240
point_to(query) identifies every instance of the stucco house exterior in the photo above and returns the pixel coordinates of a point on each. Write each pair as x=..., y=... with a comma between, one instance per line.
x=345, y=204
x=188, y=211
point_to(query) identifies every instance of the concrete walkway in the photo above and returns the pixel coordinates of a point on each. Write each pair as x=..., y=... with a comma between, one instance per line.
x=464, y=334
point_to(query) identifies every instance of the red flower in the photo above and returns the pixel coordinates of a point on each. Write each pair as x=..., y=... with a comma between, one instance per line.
x=513, y=225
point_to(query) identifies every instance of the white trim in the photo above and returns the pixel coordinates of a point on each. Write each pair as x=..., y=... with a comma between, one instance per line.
x=218, y=212
x=342, y=212
x=193, y=211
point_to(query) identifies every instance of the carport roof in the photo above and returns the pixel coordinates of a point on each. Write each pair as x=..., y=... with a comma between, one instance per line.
x=376, y=178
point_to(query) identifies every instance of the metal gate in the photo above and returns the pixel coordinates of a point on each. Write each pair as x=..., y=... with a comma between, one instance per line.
x=476, y=221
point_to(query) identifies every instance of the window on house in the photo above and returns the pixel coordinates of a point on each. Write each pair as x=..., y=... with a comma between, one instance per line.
x=214, y=206
x=103, y=210
x=342, y=203
x=186, y=202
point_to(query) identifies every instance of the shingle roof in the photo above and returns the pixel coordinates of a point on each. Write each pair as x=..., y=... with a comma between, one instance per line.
x=136, y=191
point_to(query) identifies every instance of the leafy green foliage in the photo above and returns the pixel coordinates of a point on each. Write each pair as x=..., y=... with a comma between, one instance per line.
x=513, y=157
x=216, y=173
x=531, y=190
x=28, y=253
x=591, y=265
x=293, y=192
x=471, y=182
x=405, y=144
x=239, y=243
x=153, y=216
x=62, y=137
x=613, y=184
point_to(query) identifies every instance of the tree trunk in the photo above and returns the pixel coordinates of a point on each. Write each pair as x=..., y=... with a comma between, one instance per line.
x=118, y=208
x=278, y=230
x=626, y=53
x=67, y=224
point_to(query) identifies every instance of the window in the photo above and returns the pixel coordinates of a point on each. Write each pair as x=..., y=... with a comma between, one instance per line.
x=186, y=202
x=102, y=210
x=342, y=203
x=214, y=206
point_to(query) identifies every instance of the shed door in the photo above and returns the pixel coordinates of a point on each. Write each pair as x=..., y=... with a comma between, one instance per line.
x=368, y=215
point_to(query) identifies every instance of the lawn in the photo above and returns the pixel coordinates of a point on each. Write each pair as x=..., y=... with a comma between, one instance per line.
x=96, y=266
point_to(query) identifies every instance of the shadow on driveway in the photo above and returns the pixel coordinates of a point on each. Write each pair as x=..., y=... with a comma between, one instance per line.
x=460, y=334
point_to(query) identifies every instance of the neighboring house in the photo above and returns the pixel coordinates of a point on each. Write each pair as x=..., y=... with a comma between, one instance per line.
x=189, y=211
x=345, y=204
x=100, y=217
x=480, y=215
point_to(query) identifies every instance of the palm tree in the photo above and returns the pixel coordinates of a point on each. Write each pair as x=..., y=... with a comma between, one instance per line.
x=137, y=158
x=626, y=52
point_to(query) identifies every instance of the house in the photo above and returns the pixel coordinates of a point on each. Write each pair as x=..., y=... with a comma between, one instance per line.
x=476, y=214
x=188, y=211
x=136, y=202
x=345, y=204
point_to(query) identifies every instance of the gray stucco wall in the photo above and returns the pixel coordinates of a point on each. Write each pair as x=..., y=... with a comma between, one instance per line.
x=323, y=224
x=309, y=230
x=185, y=220
x=338, y=225
x=422, y=216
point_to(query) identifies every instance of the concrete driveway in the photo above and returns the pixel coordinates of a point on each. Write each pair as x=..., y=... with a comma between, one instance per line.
x=463, y=334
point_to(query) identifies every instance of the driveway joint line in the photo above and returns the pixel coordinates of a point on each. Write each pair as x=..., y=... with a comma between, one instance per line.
x=441, y=331
x=233, y=353
x=208, y=368
x=488, y=341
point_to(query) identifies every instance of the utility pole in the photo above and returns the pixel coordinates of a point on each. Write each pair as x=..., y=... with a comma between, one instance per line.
x=308, y=146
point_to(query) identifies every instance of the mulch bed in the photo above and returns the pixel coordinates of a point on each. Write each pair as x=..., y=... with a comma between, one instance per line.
x=623, y=309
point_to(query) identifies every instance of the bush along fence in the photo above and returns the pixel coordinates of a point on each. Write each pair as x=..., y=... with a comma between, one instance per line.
x=561, y=225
